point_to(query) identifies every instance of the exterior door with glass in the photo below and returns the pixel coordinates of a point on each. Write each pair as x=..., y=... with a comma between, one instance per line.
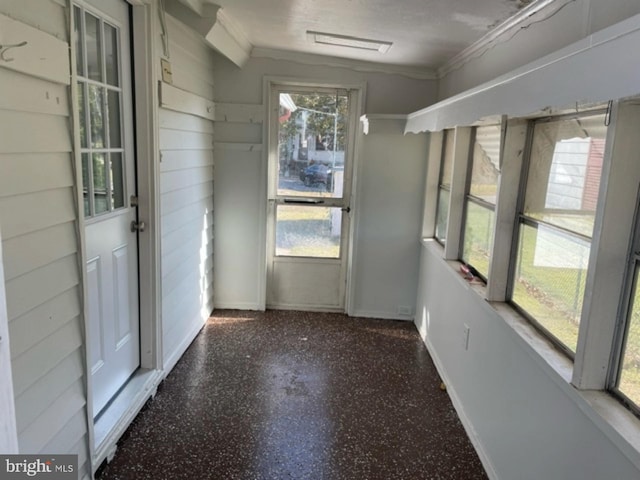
x=103, y=65
x=310, y=171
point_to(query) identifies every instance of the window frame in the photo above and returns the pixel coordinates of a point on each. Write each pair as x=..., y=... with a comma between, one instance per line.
x=442, y=187
x=522, y=219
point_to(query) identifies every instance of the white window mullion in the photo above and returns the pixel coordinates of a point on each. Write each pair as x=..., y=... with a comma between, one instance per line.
x=431, y=189
x=609, y=248
x=506, y=209
x=461, y=156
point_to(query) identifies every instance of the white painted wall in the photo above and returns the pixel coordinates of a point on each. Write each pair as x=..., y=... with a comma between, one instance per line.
x=240, y=181
x=526, y=420
x=391, y=175
x=186, y=203
x=38, y=220
x=553, y=30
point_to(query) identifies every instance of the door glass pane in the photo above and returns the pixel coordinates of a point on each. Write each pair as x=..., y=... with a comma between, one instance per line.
x=442, y=216
x=85, y=184
x=100, y=183
x=478, y=237
x=303, y=231
x=77, y=30
x=312, y=133
x=629, y=378
x=111, y=54
x=551, y=269
x=82, y=115
x=564, y=173
x=486, y=164
x=93, y=45
x=96, y=112
x=117, y=181
x=114, y=119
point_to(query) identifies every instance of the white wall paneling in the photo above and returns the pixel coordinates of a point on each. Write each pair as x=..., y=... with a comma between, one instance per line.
x=173, y=98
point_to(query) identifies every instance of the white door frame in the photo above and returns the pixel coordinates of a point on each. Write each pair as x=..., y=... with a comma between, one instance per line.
x=144, y=51
x=269, y=83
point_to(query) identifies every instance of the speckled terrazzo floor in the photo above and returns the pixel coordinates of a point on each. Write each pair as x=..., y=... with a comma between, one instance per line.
x=296, y=395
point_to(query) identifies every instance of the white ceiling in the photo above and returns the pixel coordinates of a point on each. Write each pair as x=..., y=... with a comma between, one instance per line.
x=424, y=33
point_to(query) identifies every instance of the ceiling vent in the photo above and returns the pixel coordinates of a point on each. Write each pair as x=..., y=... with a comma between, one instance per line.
x=320, y=38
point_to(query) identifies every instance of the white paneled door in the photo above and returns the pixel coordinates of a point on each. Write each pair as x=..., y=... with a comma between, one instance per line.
x=108, y=179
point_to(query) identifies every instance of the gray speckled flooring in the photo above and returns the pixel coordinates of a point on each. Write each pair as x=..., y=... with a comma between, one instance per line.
x=297, y=395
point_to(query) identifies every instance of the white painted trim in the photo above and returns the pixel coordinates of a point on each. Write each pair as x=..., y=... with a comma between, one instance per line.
x=383, y=123
x=43, y=56
x=615, y=77
x=495, y=35
x=238, y=306
x=457, y=194
x=380, y=315
x=8, y=430
x=238, y=146
x=178, y=100
x=419, y=73
x=457, y=405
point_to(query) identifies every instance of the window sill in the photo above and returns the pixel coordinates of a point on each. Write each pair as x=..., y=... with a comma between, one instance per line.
x=608, y=414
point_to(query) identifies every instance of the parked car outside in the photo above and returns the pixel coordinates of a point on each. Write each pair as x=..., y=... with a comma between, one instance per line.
x=316, y=173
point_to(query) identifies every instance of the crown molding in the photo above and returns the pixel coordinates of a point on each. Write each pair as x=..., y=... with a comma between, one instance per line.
x=419, y=73
x=487, y=41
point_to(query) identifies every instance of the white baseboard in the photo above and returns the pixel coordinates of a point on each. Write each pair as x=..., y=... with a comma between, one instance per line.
x=237, y=306
x=457, y=404
x=381, y=315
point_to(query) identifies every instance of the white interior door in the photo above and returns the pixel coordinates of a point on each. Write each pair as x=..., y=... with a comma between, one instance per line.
x=108, y=175
x=310, y=170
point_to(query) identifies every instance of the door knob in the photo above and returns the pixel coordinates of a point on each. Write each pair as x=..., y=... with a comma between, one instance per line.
x=138, y=226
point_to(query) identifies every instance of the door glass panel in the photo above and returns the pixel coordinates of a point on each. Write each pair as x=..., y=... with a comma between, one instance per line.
x=312, y=131
x=117, y=181
x=100, y=183
x=96, y=112
x=93, y=47
x=82, y=115
x=85, y=184
x=111, y=54
x=77, y=28
x=115, y=140
x=629, y=378
x=304, y=231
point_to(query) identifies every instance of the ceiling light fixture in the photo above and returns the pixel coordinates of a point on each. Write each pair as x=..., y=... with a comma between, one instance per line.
x=349, y=42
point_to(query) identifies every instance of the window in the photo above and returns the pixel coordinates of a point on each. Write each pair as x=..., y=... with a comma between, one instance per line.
x=99, y=100
x=555, y=224
x=444, y=185
x=481, y=199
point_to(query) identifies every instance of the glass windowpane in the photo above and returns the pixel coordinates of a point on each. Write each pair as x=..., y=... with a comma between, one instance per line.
x=77, y=30
x=113, y=98
x=486, y=163
x=85, y=184
x=442, y=215
x=564, y=173
x=478, y=237
x=111, y=54
x=117, y=181
x=446, y=170
x=96, y=113
x=312, y=137
x=94, y=47
x=629, y=377
x=303, y=231
x=100, y=184
x=82, y=115
x=551, y=269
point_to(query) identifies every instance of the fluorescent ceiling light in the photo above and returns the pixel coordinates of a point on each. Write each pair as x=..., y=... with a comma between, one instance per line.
x=349, y=42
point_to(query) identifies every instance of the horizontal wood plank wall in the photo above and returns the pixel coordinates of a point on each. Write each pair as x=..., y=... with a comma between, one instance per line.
x=186, y=181
x=38, y=220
